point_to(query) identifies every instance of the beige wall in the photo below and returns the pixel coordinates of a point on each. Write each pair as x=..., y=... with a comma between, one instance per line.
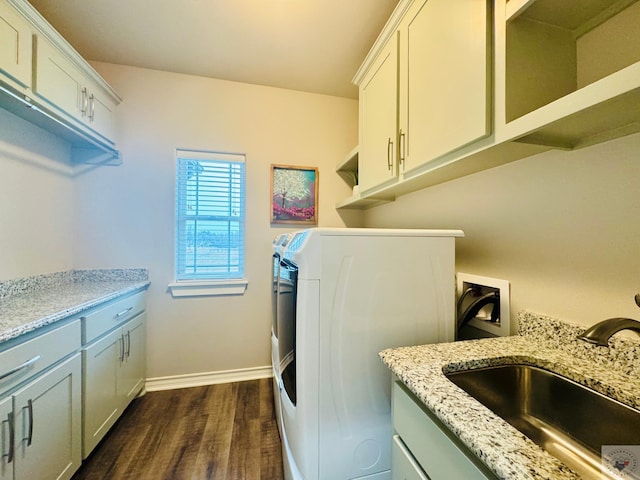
x=562, y=227
x=124, y=215
x=36, y=201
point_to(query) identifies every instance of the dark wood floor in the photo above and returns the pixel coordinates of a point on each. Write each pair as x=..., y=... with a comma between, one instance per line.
x=220, y=432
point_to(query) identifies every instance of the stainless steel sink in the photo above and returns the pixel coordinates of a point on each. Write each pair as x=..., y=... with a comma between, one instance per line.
x=568, y=420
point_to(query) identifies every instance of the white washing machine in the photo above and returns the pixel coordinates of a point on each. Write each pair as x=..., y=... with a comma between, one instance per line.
x=348, y=294
x=278, y=245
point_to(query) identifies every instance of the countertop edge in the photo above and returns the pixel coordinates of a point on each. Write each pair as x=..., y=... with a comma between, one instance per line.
x=58, y=315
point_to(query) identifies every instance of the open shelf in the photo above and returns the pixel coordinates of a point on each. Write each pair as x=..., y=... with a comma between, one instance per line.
x=572, y=71
x=348, y=168
x=358, y=202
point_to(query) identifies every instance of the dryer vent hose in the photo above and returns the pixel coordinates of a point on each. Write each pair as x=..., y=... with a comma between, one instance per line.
x=472, y=310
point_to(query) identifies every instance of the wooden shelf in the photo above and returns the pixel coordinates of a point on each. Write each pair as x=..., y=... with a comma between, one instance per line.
x=348, y=168
x=350, y=162
x=577, y=16
x=604, y=110
x=358, y=202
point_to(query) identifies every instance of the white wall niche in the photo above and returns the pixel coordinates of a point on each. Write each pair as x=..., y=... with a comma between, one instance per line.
x=482, y=321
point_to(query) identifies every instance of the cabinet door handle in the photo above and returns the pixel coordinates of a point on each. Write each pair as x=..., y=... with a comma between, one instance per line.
x=128, y=343
x=402, y=148
x=92, y=107
x=121, y=345
x=84, y=102
x=12, y=438
x=390, y=155
x=30, y=409
x=26, y=364
x=122, y=313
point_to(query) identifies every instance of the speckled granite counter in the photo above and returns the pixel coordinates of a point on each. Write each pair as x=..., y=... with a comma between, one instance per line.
x=543, y=342
x=30, y=303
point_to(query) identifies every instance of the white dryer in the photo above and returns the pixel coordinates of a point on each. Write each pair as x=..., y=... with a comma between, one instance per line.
x=354, y=293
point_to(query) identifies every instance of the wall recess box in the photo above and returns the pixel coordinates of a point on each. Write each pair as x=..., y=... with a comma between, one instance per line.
x=485, y=285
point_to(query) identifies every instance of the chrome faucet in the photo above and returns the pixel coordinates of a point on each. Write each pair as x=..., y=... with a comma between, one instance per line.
x=600, y=333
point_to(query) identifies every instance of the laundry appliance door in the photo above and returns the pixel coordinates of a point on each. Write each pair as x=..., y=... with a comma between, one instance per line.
x=286, y=314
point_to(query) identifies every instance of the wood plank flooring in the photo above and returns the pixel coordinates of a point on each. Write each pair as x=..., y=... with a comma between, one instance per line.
x=219, y=432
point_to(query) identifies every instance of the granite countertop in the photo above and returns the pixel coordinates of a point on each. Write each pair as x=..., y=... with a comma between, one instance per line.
x=543, y=342
x=30, y=303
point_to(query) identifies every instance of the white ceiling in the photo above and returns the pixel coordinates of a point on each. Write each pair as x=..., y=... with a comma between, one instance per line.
x=309, y=45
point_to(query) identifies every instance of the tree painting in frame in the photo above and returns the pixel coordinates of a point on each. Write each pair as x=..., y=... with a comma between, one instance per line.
x=294, y=195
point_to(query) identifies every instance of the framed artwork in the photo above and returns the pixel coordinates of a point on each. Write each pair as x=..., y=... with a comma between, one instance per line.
x=294, y=195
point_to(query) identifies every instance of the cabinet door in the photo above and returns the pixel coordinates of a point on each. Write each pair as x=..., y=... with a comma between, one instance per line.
x=15, y=46
x=437, y=452
x=48, y=424
x=444, y=86
x=100, y=115
x=132, y=371
x=6, y=434
x=404, y=466
x=58, y=81
x=377, y=163
x=101, y=365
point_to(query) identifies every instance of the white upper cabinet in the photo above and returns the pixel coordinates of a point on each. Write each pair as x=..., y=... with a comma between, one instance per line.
x=62, y=85
x=485, y=82
x=46, y=82
x=444, y=78
x=378, y=119
x=424, y=88
x=15, y=46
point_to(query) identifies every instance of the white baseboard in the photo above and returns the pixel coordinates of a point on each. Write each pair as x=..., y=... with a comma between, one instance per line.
x=207, y=378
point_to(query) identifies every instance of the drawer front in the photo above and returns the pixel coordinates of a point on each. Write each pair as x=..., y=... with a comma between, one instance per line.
x=33, y=356
x=438, y=452
x=404, y=466
x=103, y=319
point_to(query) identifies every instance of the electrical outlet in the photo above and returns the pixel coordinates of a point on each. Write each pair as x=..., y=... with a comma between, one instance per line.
x=483, y=286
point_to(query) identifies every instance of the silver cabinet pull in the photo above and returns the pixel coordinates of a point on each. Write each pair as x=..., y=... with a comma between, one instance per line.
x=84, y=102
x=128, y=343
x=26, y=364
x=12, y=438
x=92, y=107
x=30, y=409
x=121, y=345
x=390, y=155
x=402, y=148
x=123, y=313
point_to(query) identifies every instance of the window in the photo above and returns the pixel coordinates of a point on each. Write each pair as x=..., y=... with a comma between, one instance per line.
x=210, y=212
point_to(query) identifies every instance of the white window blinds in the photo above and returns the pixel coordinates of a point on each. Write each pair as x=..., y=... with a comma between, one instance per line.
x=210, y=212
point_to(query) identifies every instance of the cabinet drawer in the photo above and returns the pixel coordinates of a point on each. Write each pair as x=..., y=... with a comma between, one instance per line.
x=103, y=319
x=405, y=466
x=37, y=354
x=439, y=453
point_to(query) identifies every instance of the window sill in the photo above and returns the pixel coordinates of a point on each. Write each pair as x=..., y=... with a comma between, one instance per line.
x=208, y=288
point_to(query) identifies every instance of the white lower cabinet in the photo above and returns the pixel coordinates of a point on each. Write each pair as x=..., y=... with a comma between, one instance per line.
x=62, y=388
x=425, y=448
x=405, y=467
x=7, y=437
x=41, y=425
x=114, y=374
x=133, y=365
